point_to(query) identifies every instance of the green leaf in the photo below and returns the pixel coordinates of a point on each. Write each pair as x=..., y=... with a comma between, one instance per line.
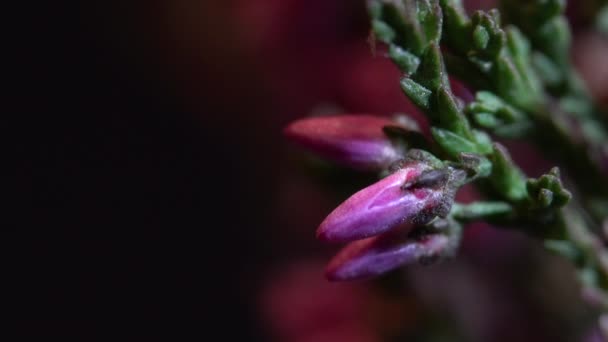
x=507, y=178
x=547, y=9
x=452, y=143
x=496, y=35
x=463, y=69
x=486, y=120
x=457, y=27
x=554, y=39
x=547, y=191
x=416, y=92
x=490, y=111
x=431, y=19
x=494, y=13
x=484, y=143
x=563, y=248
x=515, y=130
x=486, y=101
x=431, y=73
x=450, y=115
x=374, y=9
x=518, y=45
x=548, y=71
x=401, y=17
x=511, y=86
x=481, y=37
x=545, y=197
x=601, y=20
x=383, y=32
x=406, y=61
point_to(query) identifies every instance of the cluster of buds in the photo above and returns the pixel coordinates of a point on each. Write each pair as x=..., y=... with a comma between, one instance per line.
x=401, y=219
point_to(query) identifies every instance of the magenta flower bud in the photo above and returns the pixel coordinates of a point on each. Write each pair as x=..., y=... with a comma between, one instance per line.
x=377, y=255
x=413, y=194
x=357, y=141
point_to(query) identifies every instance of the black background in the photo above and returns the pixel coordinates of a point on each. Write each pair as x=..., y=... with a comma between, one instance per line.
x=139, y=213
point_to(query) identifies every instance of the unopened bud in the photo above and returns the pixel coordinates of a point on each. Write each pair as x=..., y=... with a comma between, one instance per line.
x=357, y=141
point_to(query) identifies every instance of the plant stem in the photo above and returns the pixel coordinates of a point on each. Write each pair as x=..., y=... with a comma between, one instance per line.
x=591, y=256
x=558, y=141
x=480, y=211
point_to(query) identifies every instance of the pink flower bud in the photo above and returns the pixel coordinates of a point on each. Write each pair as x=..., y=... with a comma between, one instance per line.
x=377, y=255
x=357, y=141
x=413, y=194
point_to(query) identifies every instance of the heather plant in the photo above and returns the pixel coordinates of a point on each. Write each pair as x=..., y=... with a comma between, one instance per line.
x=516, y=63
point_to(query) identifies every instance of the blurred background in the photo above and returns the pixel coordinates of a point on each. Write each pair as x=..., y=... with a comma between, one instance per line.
x=157, y=198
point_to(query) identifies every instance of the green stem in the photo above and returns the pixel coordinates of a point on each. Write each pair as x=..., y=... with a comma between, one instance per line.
x=591, y=258
x=559, y=143
x=478, y=211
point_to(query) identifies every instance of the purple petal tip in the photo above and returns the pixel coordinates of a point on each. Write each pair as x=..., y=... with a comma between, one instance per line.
x=378, y=208
x=357, y=141
x=372, y=257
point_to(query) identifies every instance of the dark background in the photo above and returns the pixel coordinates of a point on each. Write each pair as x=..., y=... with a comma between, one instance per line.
x=143, y=204
x=155, y=198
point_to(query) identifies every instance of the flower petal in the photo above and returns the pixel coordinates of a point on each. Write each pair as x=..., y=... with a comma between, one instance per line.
x=357, y=141
x=377, y=255
x=391, y=202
